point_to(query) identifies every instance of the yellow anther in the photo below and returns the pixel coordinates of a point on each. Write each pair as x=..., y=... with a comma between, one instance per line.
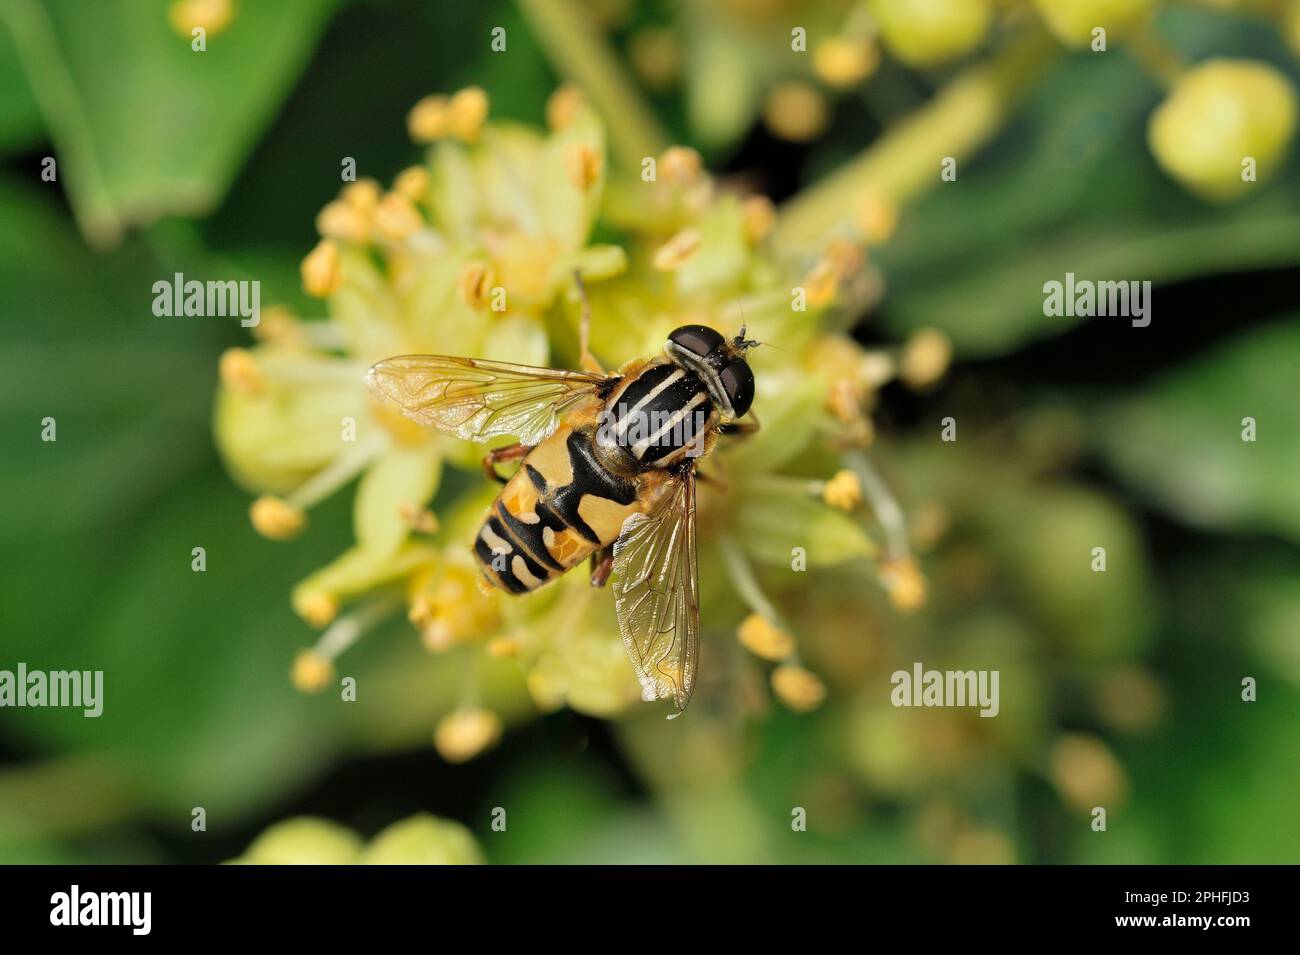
x=904, y=583
x=677, y=250
x=475, y=285
x=451, y=610
x=238, y=371
x=276, y=518
x=842, y=62
x=467, y=112
x=758, y=218
x=413, y=183
x=419, y=519
x=843, y=490
x=798, y=688
x=316, y=607
x=396, y=218
x=279, y=326
x=311, y=671
x=428, y=121
x=563, y=106
x=877, y=218
x=503, y=648
x=320, y=270
x=463, y=734
x=763, y=638
x=821, y=284
x=343, y=221
x=925, y=358
x=796, y=111
x=681, y=165
x=583, y=164
x=212, y=16
x=363, y=195
x=845, y=257
x=844, y=400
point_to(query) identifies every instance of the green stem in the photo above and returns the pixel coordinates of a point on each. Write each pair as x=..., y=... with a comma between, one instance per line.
x=579, y=53
x=906, y=161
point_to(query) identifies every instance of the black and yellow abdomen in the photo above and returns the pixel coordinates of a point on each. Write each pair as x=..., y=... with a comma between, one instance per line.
x=558, y=508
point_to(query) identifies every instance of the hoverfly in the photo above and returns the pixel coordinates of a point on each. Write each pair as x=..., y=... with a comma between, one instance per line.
x=608, y=470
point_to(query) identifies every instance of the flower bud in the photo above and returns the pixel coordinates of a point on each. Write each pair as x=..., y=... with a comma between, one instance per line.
x=796, y=111
x=926, y=33
x=1218, y=115
x=1072, y=21
x=303, y=841
x=843, y=62
x=423, y=840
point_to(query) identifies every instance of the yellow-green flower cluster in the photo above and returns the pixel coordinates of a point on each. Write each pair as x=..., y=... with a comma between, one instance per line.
x=473, y=253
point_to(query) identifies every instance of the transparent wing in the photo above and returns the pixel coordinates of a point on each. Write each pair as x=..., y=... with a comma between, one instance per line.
x=656, y=593
x=476, y=399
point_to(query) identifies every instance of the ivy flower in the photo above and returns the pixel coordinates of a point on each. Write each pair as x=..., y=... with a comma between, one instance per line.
x=473, y=253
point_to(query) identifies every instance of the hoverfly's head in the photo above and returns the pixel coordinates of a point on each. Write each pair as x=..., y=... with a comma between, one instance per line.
x=718, y=362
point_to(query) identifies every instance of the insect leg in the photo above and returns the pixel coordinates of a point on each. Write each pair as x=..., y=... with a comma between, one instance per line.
x=741, y=429
x=585, y=358
x=511, y=452
x=602, y=563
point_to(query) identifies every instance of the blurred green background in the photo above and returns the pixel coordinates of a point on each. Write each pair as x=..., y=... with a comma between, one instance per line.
x=1072, y=434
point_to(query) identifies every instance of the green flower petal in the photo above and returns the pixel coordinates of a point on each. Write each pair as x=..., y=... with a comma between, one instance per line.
x=779, y=515
x=403, y=476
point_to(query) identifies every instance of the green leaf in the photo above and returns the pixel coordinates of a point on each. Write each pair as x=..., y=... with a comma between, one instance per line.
x=20, y=117
x=143, y=124
x=1179, y=441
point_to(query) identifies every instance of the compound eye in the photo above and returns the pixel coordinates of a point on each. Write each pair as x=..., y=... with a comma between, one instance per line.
x=738, y=382
x=696, y=339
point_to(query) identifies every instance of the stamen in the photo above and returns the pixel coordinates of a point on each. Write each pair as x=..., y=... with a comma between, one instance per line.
x=397, y=219
x=681, y=166
x=583, y=164
x=797, y=688
x=475, y=285
x=276, y=519
x=843, y=491
x=677, y=250
x=427, y=120
x=321, y=275
x=562, y=106
x=758, y=217
x=925, y=358
x=464, y=733
x=343, y=221
x=467, y=112
x=345, y=466
x=313, y=669
x=240, y=372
